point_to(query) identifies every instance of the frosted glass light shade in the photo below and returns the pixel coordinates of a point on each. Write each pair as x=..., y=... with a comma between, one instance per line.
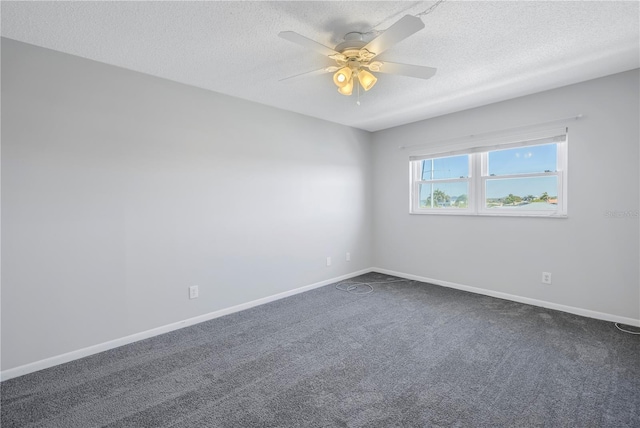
x=367, y=80
x=347, y=89
x=342, y=77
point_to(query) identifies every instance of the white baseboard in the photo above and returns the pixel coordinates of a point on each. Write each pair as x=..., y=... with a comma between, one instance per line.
x=90, y=350
x=85, y=352
x=534, y=302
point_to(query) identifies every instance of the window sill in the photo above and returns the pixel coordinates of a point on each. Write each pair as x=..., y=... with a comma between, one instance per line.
x=468, y=214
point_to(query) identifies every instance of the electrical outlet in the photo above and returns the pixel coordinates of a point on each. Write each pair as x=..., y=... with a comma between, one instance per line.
x=546, y=277
x=348, y=257
x=328, y=261
x=193, y=292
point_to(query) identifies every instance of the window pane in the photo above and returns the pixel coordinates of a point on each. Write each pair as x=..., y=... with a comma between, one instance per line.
x=531, y=193
x=444, y=195
x=522, y=160
x=449, y=167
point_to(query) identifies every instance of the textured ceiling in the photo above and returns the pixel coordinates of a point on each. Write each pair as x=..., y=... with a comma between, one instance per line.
x=484, y=51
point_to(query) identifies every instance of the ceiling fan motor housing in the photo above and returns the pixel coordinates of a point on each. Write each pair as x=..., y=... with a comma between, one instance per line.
x=351, y=51
x=352, y=41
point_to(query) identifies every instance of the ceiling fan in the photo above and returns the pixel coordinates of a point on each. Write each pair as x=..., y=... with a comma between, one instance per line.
x=354, y=58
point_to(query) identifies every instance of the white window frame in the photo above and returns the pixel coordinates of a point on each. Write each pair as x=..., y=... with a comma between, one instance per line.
x=478, y=176
x=416, y=181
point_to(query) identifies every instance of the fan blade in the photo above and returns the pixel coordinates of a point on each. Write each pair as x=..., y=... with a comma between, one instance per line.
x=311, y=73
x=406, y=26
x=307, y=43
x=407, y=70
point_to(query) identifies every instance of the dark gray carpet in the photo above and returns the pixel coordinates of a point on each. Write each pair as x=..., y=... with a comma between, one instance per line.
x=407, y=355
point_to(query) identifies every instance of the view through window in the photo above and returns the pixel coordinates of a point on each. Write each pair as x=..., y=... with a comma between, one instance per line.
x=526, y=178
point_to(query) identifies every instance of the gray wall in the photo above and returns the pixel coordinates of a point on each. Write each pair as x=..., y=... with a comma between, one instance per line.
x=120, y=190
x=594, y=258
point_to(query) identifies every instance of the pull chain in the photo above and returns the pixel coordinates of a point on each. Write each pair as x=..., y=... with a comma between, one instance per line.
x=358, y=102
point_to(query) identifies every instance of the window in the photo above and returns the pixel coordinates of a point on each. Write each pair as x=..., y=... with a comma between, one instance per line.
x=526, y=178
x=444, y=183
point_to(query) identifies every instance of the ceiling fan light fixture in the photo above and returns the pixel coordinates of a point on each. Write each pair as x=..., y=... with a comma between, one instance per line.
x=342, y=77
x=354, y=58
x=367, y=80
x=346, y=89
